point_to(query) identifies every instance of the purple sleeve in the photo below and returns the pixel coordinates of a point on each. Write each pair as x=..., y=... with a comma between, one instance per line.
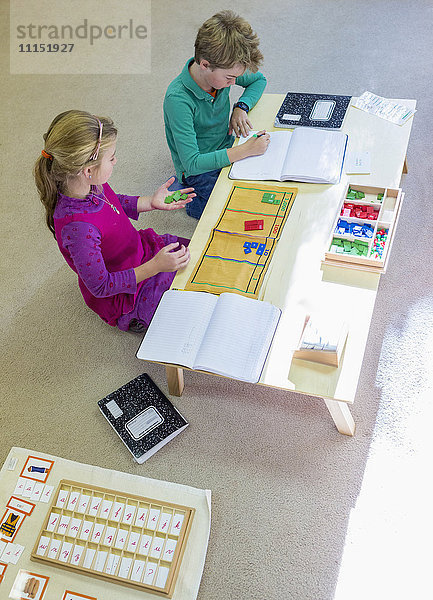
x=129, y=205
x=84, y=247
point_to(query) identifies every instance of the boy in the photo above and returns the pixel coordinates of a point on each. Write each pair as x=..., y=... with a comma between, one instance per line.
x=197, y=105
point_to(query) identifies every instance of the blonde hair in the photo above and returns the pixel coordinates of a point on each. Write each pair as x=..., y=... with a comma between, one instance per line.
x=70, y=141
x=227, y=39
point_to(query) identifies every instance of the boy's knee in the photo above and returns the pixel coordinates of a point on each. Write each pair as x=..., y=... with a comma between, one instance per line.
x=195, y=208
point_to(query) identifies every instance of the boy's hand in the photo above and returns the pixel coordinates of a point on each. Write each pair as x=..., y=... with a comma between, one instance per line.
x=239, y=123
x=169, y=259
x=157, y=200
x=258, y=144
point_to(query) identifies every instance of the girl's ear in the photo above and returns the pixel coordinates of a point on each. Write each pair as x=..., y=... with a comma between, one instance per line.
x=87, y=172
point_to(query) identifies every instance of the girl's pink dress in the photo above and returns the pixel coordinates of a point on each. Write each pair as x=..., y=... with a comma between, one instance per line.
x=102, y=246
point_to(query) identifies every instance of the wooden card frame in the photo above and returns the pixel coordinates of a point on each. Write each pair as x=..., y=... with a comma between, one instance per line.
x=99, y=494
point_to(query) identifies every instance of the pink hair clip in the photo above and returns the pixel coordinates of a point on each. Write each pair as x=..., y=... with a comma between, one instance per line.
x=95, y=154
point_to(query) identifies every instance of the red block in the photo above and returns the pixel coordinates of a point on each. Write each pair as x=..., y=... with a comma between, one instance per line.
x=252, y=225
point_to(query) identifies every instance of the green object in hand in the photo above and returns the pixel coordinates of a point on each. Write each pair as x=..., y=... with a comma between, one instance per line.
x=175, y=196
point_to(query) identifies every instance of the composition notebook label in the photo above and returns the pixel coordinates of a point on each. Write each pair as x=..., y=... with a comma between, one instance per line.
x=114, y=409
x=144, y=422
x=322, y=110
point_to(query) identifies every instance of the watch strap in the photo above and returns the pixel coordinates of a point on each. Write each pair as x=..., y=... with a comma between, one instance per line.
x=243, y=106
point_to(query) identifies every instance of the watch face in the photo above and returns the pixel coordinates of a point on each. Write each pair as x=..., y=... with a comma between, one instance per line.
x=242, y=105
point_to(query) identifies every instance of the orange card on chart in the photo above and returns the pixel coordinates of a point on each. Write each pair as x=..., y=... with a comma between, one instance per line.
x=28, y=585
x=22, y=505
x=68, y=595
x=37, y=469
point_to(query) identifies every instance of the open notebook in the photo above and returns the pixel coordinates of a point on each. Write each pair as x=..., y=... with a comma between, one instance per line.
x=228, y=334
x=306, y=154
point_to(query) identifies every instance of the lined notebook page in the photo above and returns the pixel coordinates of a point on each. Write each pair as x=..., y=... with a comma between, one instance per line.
x=315, y=155
x=267, y=166
x=238, y=337
x=177, y=327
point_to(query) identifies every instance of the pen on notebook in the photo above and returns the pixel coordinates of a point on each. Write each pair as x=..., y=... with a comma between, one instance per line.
x=259, y=135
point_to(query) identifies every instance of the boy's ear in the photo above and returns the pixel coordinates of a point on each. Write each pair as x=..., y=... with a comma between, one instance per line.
x=204, y=64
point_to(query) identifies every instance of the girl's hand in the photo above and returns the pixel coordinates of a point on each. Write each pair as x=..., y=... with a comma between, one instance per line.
x=257, y=145
x=239, y=123
x=157, y=200
x=169, y=259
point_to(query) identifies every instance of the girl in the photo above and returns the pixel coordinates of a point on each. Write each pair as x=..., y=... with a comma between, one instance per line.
x=122, y=272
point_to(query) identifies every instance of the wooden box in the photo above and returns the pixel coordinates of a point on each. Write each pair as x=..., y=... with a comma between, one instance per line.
x=320, y=353
x=375, y=213
x=115, y=536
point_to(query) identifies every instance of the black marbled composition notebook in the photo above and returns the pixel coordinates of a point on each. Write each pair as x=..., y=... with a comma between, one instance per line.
x=142, y=416
x=325, y=111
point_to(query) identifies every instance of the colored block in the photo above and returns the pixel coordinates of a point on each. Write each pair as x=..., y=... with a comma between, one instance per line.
x=253, y=225
x=269, y=198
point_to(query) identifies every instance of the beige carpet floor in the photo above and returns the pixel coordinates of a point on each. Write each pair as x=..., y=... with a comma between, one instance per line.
x=300, y=512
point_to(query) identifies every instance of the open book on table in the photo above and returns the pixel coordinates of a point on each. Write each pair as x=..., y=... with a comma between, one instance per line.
x=305, y=154
x=228, y=334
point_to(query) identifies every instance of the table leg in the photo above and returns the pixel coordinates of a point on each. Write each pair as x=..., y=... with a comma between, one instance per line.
x=174, y=380
x=341, y=416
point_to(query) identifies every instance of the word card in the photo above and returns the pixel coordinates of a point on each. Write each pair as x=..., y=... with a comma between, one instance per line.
x=21, y=505
x=35, y=491
x=115, y=536
x=240, y=246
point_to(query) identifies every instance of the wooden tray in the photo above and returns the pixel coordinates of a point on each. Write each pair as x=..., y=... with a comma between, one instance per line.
x=389, y=211
x=122, y=538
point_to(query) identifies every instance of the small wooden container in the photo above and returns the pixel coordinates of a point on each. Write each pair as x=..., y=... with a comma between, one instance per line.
x=389, y=211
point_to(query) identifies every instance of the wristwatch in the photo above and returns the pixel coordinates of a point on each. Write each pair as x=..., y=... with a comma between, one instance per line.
x=243, y=106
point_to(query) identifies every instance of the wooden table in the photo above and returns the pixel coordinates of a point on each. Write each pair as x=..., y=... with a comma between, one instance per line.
x=296, y=281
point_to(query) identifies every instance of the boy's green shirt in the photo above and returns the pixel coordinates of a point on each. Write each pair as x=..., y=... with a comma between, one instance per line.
x=196, y=124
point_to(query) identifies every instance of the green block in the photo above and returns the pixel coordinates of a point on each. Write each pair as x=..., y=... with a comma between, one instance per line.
x=184, y=196
x=360, y=195
x=269, y=198
x=168, y=200
x=177, y=195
